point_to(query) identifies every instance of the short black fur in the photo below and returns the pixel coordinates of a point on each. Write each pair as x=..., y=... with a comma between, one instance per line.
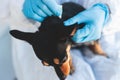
x=49, y=42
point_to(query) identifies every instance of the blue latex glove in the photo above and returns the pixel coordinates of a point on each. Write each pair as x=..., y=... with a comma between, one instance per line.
x=95, y=18
x=39, y=9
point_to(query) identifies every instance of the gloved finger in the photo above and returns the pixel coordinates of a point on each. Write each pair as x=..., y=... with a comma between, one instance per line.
x=79, y=18
x=44, y=8
x=89, y=38
x=26, y=8
x=37, y=18
x=53, y=6
x=81, y=33
x=39, y=12
x=78, y=40
x=30, y=14
x=92, y=36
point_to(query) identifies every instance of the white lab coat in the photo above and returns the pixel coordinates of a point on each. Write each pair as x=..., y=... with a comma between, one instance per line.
x=6, y=66
x=90, y=67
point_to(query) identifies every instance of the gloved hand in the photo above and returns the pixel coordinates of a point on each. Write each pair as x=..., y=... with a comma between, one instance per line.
x=39, y=9
x=94, y=18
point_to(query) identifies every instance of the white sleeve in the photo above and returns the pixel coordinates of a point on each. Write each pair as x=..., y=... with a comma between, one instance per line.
x=17, y=18
x=4, y=17
x=4, y=8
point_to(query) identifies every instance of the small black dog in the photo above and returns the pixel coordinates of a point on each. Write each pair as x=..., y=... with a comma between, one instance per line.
x=53, y=40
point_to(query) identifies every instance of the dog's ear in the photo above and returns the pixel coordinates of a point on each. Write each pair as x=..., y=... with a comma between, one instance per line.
x=22, y=35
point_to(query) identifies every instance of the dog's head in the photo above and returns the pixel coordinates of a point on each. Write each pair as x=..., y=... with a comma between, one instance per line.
x=51, y=44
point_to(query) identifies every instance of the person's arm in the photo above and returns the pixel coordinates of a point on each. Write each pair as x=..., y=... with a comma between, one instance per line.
x=94, y=18
x=39, y=9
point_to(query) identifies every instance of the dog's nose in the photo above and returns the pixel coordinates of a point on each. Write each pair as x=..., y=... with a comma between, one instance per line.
x=65, y=68
x=59, y=73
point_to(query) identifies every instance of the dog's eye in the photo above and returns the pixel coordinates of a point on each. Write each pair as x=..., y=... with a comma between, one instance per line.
x=57, y=61
x=45, y=63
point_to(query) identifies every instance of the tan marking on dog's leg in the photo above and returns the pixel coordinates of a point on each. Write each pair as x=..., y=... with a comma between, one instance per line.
x=96, y=48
